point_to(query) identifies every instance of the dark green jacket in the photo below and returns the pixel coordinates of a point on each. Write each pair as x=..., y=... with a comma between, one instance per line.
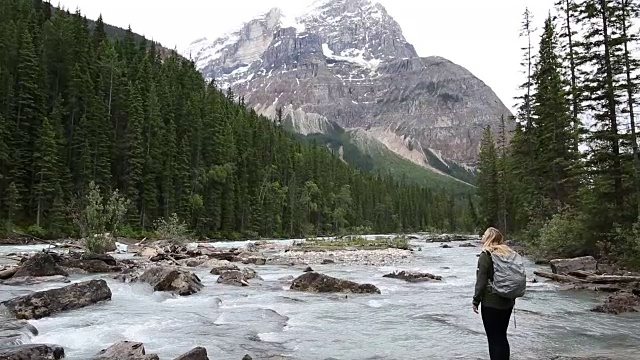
x=483, y=293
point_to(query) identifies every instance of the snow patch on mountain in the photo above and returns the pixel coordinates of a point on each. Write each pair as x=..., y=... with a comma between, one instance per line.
x=351, y=55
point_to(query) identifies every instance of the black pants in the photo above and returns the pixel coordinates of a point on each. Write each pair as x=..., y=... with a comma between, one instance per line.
x=496, y=322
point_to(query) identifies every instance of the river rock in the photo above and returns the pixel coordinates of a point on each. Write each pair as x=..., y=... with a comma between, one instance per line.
x=15, y=332
x=196, y=261
x=249, y=258
x=90, y=266
x=327, y=261
x=125, y=350
x=413, y=277
x=40, y=264
x=44, y=303
x=469, y=245
x=198, y=353
x=618, y=303
x=222, y=267
x=308, y=269
x=32, y=352
x=30, y=280
x=233, y=277
x=320, y=283
x=149, y=252
x=105, y=258
x=166, y=278
x=249, y=274
x=445, y=246
x=565, y=266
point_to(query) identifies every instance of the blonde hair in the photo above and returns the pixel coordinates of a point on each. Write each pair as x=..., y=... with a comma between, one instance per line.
x=494, y=242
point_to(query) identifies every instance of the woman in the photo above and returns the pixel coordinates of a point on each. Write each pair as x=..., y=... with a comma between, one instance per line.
x=496, y=310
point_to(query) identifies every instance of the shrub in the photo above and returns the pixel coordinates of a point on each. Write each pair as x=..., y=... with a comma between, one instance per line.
x=564, y=235
x=37, y=231
x=96, y=216
x=627, y=250
x=172, y=229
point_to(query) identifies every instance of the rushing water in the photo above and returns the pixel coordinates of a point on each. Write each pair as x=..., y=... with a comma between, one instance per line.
x=432, y=320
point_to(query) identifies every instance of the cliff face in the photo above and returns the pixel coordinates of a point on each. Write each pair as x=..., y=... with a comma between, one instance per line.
x=346, y=62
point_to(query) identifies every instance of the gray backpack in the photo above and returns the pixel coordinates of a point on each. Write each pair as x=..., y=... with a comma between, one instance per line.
x=509, y=276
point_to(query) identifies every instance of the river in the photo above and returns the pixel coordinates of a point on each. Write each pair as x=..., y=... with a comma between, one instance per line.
x=431, y=320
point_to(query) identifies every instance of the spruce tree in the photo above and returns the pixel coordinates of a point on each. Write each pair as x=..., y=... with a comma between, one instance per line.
x=555, y=158
x=488, y=182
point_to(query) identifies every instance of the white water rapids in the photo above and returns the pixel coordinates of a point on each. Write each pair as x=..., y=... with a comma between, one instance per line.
x=431, y=320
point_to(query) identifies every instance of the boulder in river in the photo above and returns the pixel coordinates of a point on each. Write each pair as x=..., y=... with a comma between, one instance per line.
x=250, y=259
x=222, y=266
x=320, y=283
x=40, y=264
x=196, y=261
x=198, y=353
x=412, y=277
x=32, y=352
x=249, y=274
x=469, y=245
x=15, y=332
x=233, y=277
x=566, y=266
x=44, y=303
x=125, y=350
x=165, y=278
x=620, y=302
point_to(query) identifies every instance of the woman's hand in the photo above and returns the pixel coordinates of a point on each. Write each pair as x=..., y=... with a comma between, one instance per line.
x=475, y=309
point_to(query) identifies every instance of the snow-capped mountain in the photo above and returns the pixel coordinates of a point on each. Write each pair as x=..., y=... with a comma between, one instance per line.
x=347, y=62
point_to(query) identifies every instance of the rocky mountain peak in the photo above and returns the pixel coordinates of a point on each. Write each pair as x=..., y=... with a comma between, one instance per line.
x=346, y=62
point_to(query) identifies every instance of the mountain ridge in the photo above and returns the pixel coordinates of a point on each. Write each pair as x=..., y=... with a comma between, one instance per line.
x=347, y=62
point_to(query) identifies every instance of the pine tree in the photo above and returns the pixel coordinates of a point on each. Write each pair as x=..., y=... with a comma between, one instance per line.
x=604, y=158
x=628, y=11
x=555, y=159
x=527, y=30
x=12, y=204
x=568, y=11
x=488, y=182
x=29, y=112
x=46, y=168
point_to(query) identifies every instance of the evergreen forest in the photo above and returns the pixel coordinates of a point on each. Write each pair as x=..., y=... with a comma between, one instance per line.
x=82, y=109
x=566, y=178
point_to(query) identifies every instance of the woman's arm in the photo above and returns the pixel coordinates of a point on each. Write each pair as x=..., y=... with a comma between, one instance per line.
x=482, y=274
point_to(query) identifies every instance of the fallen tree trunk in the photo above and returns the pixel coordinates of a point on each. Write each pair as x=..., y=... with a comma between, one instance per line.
x=558, y=277
x=612, y=279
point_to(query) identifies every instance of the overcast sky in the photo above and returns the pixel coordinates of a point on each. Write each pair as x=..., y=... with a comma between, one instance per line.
x=481, y=35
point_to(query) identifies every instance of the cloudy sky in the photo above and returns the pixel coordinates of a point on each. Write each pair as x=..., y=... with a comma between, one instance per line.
x=481, y=35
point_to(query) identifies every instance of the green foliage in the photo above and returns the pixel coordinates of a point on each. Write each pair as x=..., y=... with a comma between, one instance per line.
x=90, y=115
x=172, y=229
x=37, y=231
x=563, y=202
x=97, y=217
x=488, y=182
x=564, y=235
x=628, y=249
